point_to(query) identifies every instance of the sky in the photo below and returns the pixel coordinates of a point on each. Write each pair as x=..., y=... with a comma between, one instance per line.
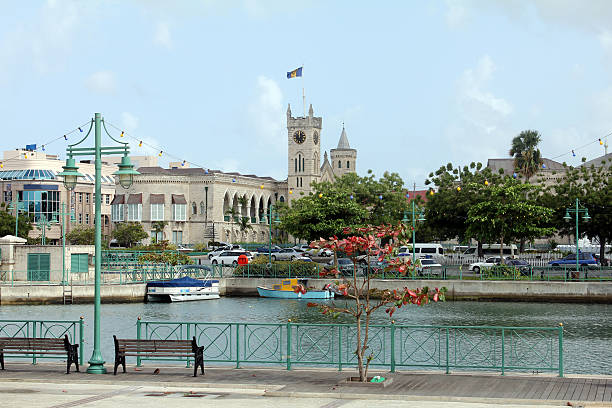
x=417, y=84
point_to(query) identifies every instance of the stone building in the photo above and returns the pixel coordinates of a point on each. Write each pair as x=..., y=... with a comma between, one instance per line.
x=28, y=179
x=199, y=205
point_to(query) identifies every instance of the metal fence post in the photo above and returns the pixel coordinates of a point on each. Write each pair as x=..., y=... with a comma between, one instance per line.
x=503, y=351
x=188, y=337
x=339, y=347
x=289, y=344
x=81, y=335
x=34, y=335
x=237, y=343
x=447, y=352
x=560, y=349
x=392, y=346
x=138, y=332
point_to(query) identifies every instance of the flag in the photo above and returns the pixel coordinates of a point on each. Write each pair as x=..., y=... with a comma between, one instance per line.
x=295, y=73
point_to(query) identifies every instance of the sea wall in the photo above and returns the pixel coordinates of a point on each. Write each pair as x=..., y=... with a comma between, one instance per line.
x=515, y=291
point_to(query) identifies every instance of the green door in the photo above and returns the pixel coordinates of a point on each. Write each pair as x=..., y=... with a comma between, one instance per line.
x=39, y=267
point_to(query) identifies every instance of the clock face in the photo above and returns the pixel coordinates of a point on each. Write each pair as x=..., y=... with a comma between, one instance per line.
x=299, y=137
x=315, y=138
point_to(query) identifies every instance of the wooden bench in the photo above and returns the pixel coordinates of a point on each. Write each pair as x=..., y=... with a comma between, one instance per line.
x=176, y=349
x=39, y=346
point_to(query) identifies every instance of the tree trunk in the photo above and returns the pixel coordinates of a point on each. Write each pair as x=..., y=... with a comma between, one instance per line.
x=479, y=249
x=602, y=252
x=501, y=250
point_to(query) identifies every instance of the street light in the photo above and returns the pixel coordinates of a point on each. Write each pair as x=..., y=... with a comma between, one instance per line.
x=414, y=220
x=58, y=217
x=18, y=208
x=276, y=221
x=70, y=176
x=43, y=224
x=577, y=210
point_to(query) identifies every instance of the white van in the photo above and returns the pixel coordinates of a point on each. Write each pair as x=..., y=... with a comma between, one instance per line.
x=426, y=250
x=493, y=249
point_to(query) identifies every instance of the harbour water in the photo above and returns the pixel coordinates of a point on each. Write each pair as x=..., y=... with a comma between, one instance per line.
x=587, y=336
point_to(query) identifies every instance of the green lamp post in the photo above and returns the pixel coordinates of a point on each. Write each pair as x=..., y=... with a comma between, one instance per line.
x=405, y=220
x=70, y=176
x=577, y=209
x=18, y=207
x=43, y=224
x=59, y=217
x=276, y=221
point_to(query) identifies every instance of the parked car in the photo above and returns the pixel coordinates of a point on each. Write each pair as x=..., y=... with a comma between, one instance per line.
x=318, y=252
x=584, y=259
x=217, y=251
x=230, y=257
x=523, y=266
x=287, y=254
x=182, y=248
x=303, y=247
x=429, y=267
x=487, y=263
x=345, y=266
x=266, y=249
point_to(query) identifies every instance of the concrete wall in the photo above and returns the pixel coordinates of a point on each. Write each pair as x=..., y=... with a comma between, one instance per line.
x=17, y=270
x=47, y=294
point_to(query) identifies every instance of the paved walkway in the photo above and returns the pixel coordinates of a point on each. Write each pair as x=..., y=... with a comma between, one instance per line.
x=47, y=385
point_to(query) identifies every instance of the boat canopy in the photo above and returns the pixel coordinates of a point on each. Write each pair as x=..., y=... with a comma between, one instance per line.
x=185, y=281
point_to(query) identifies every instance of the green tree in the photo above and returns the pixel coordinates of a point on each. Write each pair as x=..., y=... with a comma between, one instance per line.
x=592, y=185
x=321, y=215
x=158, y=228
x=458, y=190
x=81, y=236
x=244, y=223
x=527, y=158
x=7, y=224
x=506, y=215
x=129, y=233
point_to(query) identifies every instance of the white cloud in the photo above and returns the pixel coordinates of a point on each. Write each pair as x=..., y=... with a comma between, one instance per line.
x=480, y=106
x=266, y=114
x=129, y=121
x=605, y=39
x=163, y=36
x=102, y=82
x=456, y=14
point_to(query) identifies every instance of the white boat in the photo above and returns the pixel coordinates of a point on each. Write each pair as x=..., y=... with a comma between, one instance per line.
x=182, y=290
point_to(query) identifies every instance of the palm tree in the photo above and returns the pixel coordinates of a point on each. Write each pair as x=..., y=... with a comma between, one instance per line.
x=244, y=225
x=233, y=214
x=527, y=158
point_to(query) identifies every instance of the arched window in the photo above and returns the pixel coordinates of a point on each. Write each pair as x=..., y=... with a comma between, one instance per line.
x=339, y=164
x=194, y=208
x=282, y=199
x=348, y=164
x=296, y=165
x=202, y=208
x=303, y=163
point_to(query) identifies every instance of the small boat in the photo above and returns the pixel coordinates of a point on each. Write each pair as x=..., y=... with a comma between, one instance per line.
x=293, y=289
x=183, y=289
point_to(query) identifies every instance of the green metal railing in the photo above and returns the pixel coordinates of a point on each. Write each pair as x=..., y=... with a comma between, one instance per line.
x=44, y=329
x=447, y=348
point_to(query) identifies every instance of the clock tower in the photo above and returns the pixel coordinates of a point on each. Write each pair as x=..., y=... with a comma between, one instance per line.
x=304, y=153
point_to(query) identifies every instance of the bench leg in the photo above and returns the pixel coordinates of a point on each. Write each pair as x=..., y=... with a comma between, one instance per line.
x=2, y=360
x=199, y=362
x=72, y=358
x=116, y=365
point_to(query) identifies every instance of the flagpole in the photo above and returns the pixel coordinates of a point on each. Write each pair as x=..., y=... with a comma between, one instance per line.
x=303, y=93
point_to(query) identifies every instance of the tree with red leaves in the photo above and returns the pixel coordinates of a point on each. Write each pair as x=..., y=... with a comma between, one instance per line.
x=368, y=240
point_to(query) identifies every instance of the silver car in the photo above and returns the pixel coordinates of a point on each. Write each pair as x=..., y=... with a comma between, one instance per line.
x=287, y=254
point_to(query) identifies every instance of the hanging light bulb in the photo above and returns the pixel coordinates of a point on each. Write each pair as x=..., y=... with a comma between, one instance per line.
x=65, y=138
x=43, y=148
x=26, y=155
x=206, y=171
x=573, y=154
x=121, y=133
x=600, y=141
x=407, y=195
x=486, y=183
x=290, y=191
x=140, y=144
x=380, y=197
x=80, y=130
x=351, y=197
x=1, y=165
x=233, y=180
x=514, y=175
x=431, y=192
x=261, y=186
x=183, y=163
x=543, y=166
x=458, y=188
x=320, y=195
x=160, y=153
